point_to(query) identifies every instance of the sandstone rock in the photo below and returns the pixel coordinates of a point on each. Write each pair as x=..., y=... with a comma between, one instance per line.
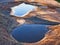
x=5, y=27
x=51, y=38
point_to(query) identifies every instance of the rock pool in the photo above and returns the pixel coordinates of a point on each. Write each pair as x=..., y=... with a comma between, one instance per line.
x=29, y=32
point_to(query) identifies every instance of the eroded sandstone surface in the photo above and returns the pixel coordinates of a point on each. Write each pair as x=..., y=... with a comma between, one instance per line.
x=39, y=16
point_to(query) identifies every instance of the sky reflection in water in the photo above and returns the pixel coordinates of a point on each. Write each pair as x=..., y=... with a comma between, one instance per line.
x=22, y=9
x=29, y=32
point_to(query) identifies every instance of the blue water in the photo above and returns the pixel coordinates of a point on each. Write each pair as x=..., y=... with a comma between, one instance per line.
x=22, y=9
x=29, y=32
x=1, y=1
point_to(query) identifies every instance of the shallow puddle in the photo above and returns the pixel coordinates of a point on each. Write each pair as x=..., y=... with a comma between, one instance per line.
x=29, y=32
x=22, y=9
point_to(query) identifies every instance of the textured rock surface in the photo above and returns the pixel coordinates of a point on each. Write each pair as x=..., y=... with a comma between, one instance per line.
x=51, y=38
x=7, y=24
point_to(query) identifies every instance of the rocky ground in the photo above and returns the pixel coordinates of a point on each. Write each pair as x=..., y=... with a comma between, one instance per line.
x=5, y=27
x=39, y=16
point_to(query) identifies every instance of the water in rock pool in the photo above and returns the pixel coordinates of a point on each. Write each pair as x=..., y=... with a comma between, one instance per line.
x=22, y=9
x=29, y=32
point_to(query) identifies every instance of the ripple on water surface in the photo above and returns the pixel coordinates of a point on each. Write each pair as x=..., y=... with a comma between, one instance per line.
x=29, y=32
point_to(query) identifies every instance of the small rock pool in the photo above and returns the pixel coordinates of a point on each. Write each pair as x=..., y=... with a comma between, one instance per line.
x=29, y=33
x=22, y=9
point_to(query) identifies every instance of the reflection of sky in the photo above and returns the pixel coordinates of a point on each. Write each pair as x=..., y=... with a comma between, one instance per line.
x=29, y=33
x=22, y=9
